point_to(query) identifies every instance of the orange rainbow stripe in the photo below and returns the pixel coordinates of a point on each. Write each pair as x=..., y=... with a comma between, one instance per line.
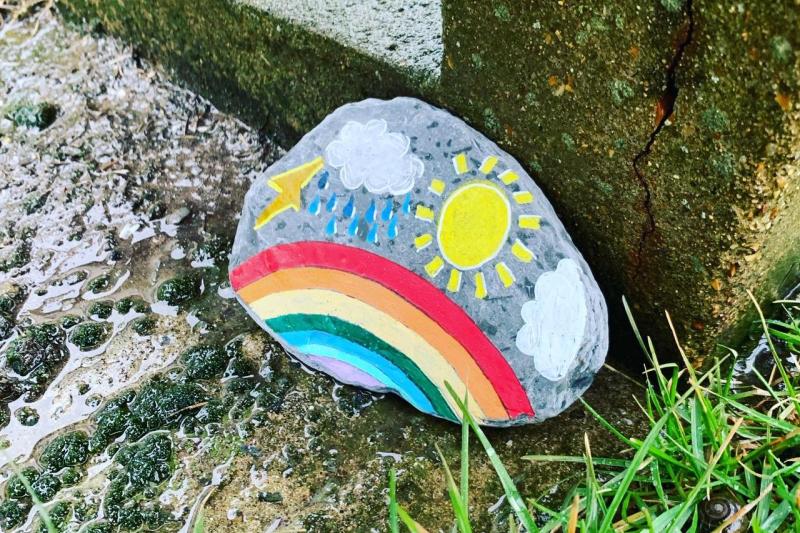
x=344, y=303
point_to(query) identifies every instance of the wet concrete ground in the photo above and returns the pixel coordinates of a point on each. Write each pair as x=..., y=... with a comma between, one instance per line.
x=132, y=383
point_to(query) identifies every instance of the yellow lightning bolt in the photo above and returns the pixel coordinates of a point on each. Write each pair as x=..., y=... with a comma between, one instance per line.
x=289, y=184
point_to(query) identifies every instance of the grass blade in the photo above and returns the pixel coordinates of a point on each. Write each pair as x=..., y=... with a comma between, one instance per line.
x=462, y=516
x=512, y=494
x=394, y=527
x=465, y=459
x=637, y=460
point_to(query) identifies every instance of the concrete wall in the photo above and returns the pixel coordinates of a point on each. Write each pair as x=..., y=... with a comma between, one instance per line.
x=666, y=133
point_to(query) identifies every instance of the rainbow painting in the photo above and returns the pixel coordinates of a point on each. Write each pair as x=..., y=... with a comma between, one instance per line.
x=368, y=320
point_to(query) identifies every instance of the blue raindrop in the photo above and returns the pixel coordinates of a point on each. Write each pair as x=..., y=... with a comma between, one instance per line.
x=387, y=210
x=350, y=208
x=369, y=216
x=323, y=180
x=373, y=234
x=392, y=231
x=313, y=207
x=331, y=205
x=353, y=228
x=330, y=228
x=407, y=204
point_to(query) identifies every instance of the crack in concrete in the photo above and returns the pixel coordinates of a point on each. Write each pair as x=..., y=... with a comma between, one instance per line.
x=666, y=106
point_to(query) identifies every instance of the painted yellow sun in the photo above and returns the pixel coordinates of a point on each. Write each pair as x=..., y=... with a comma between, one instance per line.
x=473, y=226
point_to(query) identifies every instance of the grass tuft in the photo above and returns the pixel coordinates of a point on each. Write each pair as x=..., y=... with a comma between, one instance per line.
x=708, y=438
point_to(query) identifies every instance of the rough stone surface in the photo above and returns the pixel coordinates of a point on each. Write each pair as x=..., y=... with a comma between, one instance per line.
x=667, y=139
x=461, y=223
x=401, y=32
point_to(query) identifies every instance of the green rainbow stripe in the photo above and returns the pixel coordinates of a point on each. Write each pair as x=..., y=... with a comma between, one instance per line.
x=358, y=335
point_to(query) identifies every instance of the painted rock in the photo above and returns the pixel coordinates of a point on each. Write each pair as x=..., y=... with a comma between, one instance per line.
x=397, y=249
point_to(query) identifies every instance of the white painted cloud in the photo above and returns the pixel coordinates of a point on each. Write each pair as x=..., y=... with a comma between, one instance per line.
x=555, y=320
x=369, y=155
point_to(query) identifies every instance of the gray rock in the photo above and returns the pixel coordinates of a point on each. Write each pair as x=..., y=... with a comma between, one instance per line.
x=398, y=249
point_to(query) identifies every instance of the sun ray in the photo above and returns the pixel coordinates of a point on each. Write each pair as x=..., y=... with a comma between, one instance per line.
x=508, y=177
x=523, y=197
x=504, y=273
x=488, y=164
x=437, y=187
x=480, y=286
x=454, y=283
x=435, y=266
x=521, y=252
x=460, y=163
x=424, y=213
x=530, y=221
x=423, y=241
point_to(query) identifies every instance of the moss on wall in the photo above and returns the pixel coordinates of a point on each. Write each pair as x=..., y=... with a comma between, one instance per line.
x=271, y=73
x=658, y=133
x=662, y=132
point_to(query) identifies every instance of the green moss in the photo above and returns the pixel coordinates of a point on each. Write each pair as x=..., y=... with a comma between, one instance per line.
x=621, y=90
x=490, y=121
x=158, y=404
x=70, y=321
x=10, y=297
x=723, y=165
x=270, y=497
x=71, y=476
x=85, y=511
x=7, y=304
x=6, y=328
x=124, y=305
x=18, y=258
x=69, y=449
x=161, y=403
x=15, y=488
x=147, y=462
x=714, y=120
x=99, y=284
x=46, y=487
x=272, y=394
x=673, y=6
x=33, y=203
x=242, y=373
x=569, y=142
x=204, y=361
x=477, y=60
x=38, y=116
x=213, y=412
x=39, y=345
x=89, y=335
x=60, y=515
x=502, y=13
x=27, y=416
x=101, y=309
x=214, y=247
x=180, y=289
x=11, y=514
x=112, y=420
x=781, y=48
x=144, y=326
x=144, y=464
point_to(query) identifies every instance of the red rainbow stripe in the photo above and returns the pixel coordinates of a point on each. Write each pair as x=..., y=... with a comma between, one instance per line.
x=408, y=285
